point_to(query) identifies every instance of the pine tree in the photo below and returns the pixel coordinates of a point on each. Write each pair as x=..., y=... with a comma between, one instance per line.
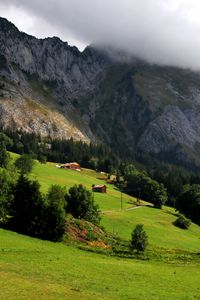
x=139, y=239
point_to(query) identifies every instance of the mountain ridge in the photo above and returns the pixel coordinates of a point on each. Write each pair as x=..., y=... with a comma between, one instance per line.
x=136, y=108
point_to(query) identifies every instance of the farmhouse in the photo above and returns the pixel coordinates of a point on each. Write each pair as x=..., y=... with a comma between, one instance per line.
x=72, y=166
x=99, y=188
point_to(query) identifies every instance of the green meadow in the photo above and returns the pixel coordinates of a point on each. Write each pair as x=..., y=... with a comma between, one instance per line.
x=48, y=174
x=35, y=269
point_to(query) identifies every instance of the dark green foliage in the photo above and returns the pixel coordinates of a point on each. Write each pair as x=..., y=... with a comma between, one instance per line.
x=42, y=159
x=33, y=214
x=142, y=186
x=81, y=204
x=6, y=140
x=188, y=202
x=24, y=163
x=4, y=156
x=182, y=222
x=5, y=194
x=27, y=207
x=55, y=213
x=139, y=239
x=89, y=156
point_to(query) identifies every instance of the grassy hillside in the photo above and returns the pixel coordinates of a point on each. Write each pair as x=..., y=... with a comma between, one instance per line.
x=48, y=174
x=34, y=269
x=158, y=225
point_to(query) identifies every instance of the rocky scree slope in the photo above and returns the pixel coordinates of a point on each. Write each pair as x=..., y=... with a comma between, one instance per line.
x=138, y=109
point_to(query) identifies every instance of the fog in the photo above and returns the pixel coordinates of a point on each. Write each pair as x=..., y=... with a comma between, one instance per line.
x=159, y=31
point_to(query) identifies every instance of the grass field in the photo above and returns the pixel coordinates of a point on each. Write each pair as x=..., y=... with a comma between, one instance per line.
x=34, y=269
x=158, y=225
x=48, y=174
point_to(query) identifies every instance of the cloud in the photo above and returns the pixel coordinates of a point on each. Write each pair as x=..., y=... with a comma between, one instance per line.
x=160, y=31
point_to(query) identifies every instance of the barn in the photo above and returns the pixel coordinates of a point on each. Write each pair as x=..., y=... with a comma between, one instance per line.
x=99, y=188
x=72, y=166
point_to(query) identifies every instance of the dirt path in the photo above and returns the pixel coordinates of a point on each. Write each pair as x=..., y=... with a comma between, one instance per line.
x=124, y=209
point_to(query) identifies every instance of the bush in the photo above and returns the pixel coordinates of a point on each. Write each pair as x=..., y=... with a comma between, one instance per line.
x=81, y=204
x=42, y=159
x=182, y=222
x=24, y=163
x=139, y=239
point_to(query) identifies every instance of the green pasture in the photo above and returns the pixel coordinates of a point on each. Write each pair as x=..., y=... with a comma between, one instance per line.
x=48, y=174
x=157, y=223
x=159, y=226
x=34, y=269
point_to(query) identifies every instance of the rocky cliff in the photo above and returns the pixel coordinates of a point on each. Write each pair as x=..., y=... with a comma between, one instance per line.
x=40, y=80
x=50, y=88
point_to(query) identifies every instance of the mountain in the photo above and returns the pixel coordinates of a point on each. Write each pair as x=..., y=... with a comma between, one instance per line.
x=142, y=111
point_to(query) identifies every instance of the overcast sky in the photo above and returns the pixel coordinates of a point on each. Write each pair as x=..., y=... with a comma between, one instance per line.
x=160, y=31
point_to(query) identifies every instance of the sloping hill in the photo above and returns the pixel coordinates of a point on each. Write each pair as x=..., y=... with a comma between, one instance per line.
x=48, y=174
x=158, y=223
x=159, y=226
x=34, y=269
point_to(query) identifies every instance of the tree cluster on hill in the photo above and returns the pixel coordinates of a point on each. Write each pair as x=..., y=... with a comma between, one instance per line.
x=87, y=155
x=23, y=208
x=156, y=185
x=142, y=186
x=188, y=202
x=26, y=210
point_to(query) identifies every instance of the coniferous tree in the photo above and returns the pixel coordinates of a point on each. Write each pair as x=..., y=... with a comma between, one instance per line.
x=27, y=207
x=4, y=156
x=55, y=214
x=139, y=239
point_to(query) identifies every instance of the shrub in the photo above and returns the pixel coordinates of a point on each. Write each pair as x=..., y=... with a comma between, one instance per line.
x=81, y=204
x=182, y=222
x=139, y=239
x=24, y=163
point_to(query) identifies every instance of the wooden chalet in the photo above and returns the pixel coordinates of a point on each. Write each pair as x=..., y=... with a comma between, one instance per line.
x=72, y=166
x=99, y=188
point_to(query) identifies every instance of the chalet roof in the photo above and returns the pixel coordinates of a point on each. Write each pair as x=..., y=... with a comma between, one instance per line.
x=99, y=186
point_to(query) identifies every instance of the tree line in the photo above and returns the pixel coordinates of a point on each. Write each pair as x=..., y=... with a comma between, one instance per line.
x=25, y=209
x=169, y=186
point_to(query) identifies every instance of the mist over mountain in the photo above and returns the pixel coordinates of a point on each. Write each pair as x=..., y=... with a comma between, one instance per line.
x=158, y=31
x=142, y=111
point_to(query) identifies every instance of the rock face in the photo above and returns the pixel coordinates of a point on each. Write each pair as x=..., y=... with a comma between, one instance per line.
x=40, y=79
x=50, y=88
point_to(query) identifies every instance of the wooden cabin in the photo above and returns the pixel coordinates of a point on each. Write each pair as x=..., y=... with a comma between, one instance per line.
x=72, y=166
x=99, y=188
